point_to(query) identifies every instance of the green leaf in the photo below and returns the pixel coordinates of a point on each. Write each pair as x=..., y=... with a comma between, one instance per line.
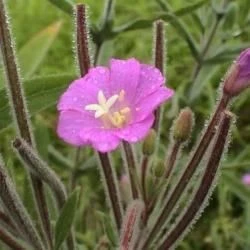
x=108, y=228
x=201, y=81
x=34, y=51
x=235, y=186
x=226, y=54
x=66, y=218
x=41, y=93
x=184, y=10
x=190, y=8
x=64, y=5
x=42, y=137
x=168, y=17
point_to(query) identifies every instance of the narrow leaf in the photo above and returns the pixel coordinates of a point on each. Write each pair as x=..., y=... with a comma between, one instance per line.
x=235, y=186
x=34, y=51
x=66, y=218
x=41, y=93
x=64, y=5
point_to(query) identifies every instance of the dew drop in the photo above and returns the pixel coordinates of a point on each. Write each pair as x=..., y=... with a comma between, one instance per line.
x=102, y=71
x=134, y=138
x=75, y=99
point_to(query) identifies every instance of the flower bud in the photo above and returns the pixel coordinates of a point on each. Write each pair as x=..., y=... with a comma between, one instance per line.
x=246, y=179
x=148, y=145
x=158, y=168
x=103, y=244
x=125, y=190
x=183, y=125
x=238, y=76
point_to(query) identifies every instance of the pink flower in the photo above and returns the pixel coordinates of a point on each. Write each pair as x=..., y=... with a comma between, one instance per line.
x=238, y=76
x=246, y=179
x=112, y=104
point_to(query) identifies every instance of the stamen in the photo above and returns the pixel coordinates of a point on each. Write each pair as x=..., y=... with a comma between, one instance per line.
x=102, y=109
x=101, y=98
x=125, y=111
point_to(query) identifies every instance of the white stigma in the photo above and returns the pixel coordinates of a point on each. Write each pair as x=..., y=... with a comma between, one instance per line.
x=103, y=106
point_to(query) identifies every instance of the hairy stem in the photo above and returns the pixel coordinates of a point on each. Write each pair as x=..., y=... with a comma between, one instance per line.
x=20, y=115
x=159, y=59
x=144, y=168
x=10, y=240
x=84, y=63
x=131, y=167
x=205, y=186
x=17, y=211
x=172, y=159
x=111, y=186
x=189, y=171
x=82, y=39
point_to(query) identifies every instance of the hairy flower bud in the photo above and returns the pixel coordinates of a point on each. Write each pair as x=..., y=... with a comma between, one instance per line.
x=246, y=179
x=125, y=190
x=158, y=168
x=148, y=145
x=183, y=125
x=238, y=76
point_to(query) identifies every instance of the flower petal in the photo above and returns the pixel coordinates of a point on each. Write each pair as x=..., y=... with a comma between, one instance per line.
x=146, y=106
x=103, y=140
x=136, y=131
x=70, y=124
x=124, y=75
x=84, y=91
x=150, y=80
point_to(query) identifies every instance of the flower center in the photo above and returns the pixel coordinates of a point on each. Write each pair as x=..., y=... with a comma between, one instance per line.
x=105, y=110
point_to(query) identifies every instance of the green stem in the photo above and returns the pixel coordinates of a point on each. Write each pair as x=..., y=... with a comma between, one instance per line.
x=10, y=240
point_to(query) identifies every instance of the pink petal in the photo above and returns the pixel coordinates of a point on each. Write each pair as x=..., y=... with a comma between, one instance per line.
x=136, y=131
x=70, y=124
x=150, y=80
x=124, y=75
x=84, y=91
x=146, y=106
x=103, y=140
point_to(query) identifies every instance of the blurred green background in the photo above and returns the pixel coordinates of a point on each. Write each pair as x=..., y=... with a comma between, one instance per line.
x=202, y=38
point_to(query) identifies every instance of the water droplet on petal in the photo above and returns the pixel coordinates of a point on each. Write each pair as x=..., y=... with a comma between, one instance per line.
x=102, y=71
x=75, y=99
x=134, y=138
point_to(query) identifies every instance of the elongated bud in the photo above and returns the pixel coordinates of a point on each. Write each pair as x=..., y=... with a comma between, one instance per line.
x=148, y=145
x=182, y=127
x=17, y=211
x=131, y=225
x=124, y=185
x=158, y=168
x=40, y=169
x=103, y=244
x=238, y=76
